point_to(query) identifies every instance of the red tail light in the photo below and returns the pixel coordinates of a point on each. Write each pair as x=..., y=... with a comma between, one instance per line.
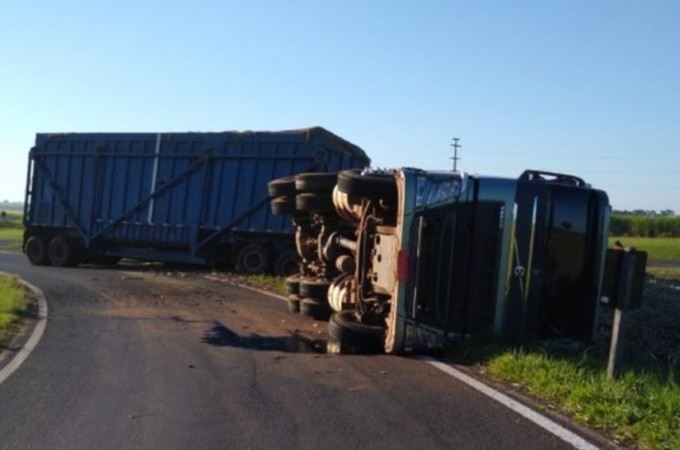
x=402, y=266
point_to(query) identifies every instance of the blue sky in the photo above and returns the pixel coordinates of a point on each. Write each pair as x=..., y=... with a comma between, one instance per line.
x=586, y=87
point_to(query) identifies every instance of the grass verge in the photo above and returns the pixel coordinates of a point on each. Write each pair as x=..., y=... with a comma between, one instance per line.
x=14, y=304
x=269, y=283
x=641, y=406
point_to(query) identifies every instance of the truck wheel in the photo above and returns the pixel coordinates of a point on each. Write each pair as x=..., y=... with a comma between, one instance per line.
x=293, y=285
x=281, y=187
x=252, y=259
x=283, y=205
x=61, y=252
x=383, y=186
x=314, y=202
x=345, y=328
x=316, y=289
x=287, y=263
x=36, y=251
x=316, y=182
x=293, y=303
x=315, y=309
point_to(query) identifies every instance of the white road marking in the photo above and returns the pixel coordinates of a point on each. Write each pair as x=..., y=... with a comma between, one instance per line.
x=33, y=340
x=540, y=420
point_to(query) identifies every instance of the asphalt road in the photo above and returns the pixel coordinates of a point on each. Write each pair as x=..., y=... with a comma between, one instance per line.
x=134, y=358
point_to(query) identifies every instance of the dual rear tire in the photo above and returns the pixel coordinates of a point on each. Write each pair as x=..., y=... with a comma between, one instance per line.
x=59, y=252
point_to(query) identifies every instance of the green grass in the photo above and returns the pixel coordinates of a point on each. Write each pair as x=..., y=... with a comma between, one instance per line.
x=268, y=282
x=640, y=406
x=656, y=248
x=13, y=305
x=11, y=231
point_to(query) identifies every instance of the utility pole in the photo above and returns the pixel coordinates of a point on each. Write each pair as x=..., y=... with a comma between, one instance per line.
x=455, y=157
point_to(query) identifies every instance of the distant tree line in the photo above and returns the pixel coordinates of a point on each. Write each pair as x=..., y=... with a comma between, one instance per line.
x=644, y=212
x=6, y=205
x=644, y=225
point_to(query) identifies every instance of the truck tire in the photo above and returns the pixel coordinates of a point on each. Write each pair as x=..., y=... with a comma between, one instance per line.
x=36, y=251
x=315, y=309
x=61, y=252
x=316, y=182
x=293, y=303
x=345, y=328
x=252, y=259
x=314, y=202
x=315, y=289
x=374, y=186
x=287, y=263
x=283, y=205
x=293, y=285
x=281, y=187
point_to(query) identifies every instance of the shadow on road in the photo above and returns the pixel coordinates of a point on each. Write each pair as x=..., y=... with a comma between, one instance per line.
x=221, y=336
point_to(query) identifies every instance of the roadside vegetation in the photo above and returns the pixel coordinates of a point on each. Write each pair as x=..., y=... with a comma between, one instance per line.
x=14, y=304
x=11, y=230
x=641, y=406
x=645, y=225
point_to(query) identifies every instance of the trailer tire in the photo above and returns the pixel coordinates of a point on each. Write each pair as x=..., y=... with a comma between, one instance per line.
x=61, y=252
x=315, y=289
x=36, y=251
x=346, y=329
x=287, y=263
x=281, y=187
x=315, y=309
x=316, y=182
x=283, y=205
x=314, y=202
x=371, y=185
x=252, y=259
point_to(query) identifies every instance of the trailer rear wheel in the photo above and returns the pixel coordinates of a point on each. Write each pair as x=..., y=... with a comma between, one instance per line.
x=61, y=252
x=36, y=251
x=287, y=263
x=345, y=327
x=252, y=259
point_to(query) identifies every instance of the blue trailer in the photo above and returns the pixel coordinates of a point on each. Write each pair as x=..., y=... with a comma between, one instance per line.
x=198, y=198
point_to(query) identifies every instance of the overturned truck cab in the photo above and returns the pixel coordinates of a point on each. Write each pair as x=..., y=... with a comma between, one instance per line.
x=408, y=260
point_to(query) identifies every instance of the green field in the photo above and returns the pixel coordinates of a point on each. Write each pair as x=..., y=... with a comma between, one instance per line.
x=656, y=248
x=11, y=231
